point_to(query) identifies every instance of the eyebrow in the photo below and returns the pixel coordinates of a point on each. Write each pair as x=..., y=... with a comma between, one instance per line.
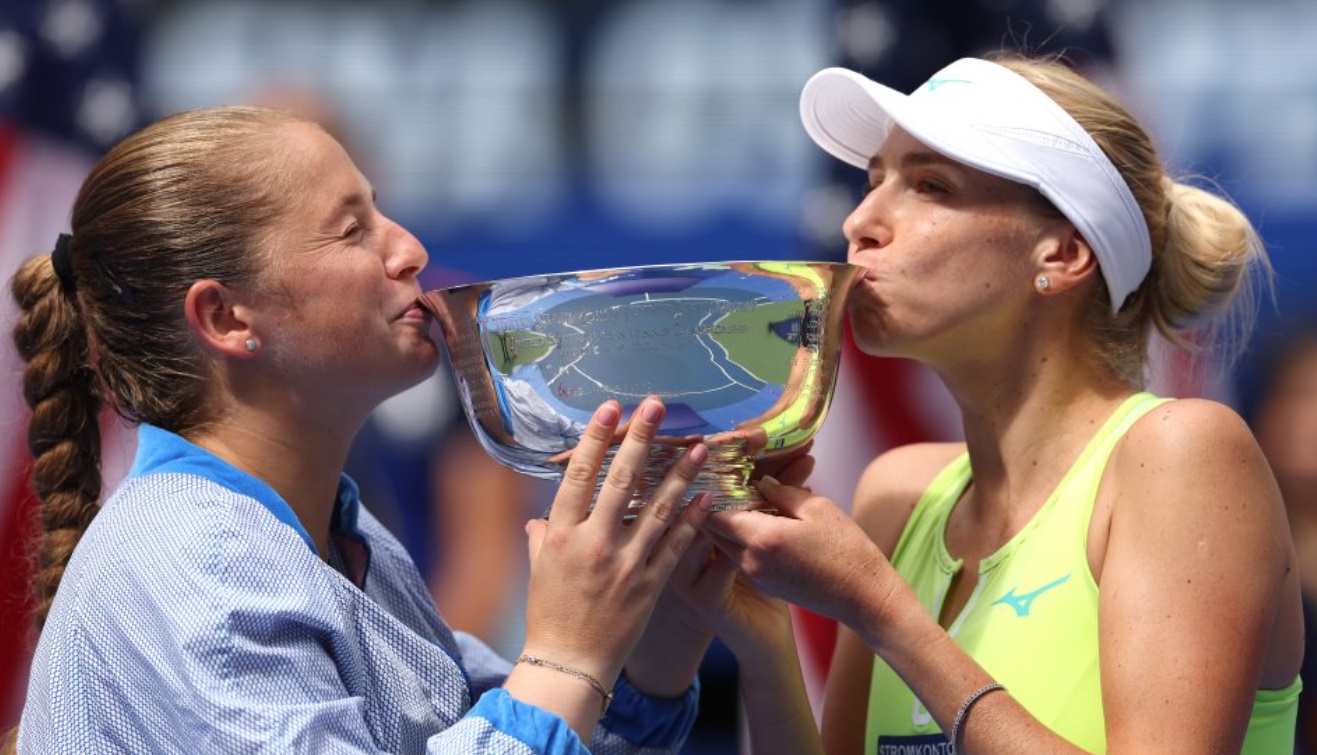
x=352, y=201
x=916, y=159
x=356, y=198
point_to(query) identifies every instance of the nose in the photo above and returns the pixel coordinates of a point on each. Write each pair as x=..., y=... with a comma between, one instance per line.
x=406, y=256
x=867, y=226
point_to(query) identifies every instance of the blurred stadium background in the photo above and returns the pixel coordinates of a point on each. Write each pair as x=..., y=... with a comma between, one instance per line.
x=527, y=136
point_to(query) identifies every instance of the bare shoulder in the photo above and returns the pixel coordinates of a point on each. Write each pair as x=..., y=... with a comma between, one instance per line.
x=1194, y=464
x=1187, y=435
x=893, y=483
x=1196, y=530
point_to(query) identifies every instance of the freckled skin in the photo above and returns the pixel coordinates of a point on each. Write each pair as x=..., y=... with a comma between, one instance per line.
x=922, y=230
x=1187, y=518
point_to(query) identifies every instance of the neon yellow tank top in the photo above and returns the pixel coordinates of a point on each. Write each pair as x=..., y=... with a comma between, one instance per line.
x=1032, y=620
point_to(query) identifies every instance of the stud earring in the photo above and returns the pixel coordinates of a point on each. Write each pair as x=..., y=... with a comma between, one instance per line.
x=250, y=344
x=1042, y=283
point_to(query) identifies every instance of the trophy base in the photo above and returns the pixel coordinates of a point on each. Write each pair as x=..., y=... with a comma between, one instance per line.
x=726, y=474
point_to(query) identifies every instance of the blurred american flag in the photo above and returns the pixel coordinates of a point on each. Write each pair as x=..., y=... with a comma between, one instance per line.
x=68, y=72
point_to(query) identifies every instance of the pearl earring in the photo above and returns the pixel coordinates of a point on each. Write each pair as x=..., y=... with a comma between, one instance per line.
x=250, y=344
x=1042, y=283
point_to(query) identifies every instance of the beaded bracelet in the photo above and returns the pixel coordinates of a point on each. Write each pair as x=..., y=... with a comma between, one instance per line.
x=604, y=692
x=963, y=713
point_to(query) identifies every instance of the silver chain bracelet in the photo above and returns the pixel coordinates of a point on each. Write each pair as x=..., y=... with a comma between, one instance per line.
x=963, y=713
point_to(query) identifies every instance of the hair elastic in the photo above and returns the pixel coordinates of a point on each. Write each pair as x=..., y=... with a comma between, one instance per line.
x=62, y=260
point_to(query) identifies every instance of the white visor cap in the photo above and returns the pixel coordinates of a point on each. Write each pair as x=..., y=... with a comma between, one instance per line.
x=990, y=118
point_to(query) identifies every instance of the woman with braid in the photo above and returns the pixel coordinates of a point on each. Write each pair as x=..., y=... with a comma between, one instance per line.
x=1095, y=569
x=230, y=286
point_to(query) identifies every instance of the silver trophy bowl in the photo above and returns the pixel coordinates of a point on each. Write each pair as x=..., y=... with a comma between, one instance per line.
x=743, y=354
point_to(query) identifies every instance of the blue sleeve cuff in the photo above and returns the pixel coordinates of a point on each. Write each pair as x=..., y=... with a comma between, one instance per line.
x=646, y=721
x=535, y=727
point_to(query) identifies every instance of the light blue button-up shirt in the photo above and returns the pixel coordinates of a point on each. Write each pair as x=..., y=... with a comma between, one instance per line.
x=196, y=617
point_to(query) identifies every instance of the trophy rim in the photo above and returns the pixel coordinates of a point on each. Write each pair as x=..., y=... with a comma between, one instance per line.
x=643, y=266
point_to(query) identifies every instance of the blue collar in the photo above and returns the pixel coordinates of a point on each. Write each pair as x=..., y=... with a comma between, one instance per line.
x=160, y=451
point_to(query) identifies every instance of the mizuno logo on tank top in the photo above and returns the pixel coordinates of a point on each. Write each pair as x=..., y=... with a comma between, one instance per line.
x=1023, y=603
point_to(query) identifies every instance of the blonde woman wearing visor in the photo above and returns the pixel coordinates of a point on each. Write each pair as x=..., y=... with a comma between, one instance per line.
x=1094, y=569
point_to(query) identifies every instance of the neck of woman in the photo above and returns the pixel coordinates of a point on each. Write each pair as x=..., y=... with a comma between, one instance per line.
x=302, y=462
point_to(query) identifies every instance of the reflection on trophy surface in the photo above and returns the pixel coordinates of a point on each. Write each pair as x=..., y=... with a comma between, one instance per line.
x=743, y=354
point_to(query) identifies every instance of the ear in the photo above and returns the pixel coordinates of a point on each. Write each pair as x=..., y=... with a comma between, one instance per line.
x=1065, y=258
x=219, y=321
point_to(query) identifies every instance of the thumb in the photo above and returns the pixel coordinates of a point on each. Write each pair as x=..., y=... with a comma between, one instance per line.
x=535, y=529
x=737, y=528
x=787, y=499
x=797, y=472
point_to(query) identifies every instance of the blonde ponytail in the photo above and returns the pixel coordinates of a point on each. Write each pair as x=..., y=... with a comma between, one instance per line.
x=1213, y=266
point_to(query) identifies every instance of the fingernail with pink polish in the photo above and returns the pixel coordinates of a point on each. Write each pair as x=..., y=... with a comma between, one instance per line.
x=650, y=411
x=607, y=414
x=698, y=453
